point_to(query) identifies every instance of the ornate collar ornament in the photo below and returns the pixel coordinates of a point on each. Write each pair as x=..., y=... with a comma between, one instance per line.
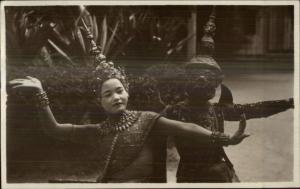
x=122, y=123
x=104, y=69
x=207, y=46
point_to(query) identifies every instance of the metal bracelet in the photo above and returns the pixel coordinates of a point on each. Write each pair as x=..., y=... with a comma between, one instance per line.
x=219, y=138
x=41, y=99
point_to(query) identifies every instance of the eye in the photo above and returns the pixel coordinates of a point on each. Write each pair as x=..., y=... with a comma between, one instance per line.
x=106, y=95
x=120, y=90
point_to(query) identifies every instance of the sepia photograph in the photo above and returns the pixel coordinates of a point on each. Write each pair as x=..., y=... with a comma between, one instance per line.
x=149, y=94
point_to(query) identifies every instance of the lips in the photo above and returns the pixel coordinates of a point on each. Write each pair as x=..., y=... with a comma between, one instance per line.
x=118, y=104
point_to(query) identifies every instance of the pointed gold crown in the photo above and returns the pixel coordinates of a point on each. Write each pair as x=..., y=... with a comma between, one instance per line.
x=207, y=46
x=104, y=69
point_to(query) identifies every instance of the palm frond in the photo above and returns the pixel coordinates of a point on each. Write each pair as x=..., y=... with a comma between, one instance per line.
x=122, y=46
x=95, y=30
x=112, y=37
x=179, y=45
x=46, y=56
x=60, y=51
x=59, y=36
x=103, y=38
x=79, y=37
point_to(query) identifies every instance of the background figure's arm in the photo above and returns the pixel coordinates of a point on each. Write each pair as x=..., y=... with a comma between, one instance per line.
x=256, y=110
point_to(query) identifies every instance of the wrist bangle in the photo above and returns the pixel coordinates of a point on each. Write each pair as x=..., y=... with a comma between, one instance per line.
x=41, y=99
x=219, y=138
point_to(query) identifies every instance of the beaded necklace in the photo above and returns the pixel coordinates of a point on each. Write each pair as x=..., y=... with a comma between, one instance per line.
x=126, y=120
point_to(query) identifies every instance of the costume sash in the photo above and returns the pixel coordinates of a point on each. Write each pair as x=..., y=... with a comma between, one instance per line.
x=129, y=144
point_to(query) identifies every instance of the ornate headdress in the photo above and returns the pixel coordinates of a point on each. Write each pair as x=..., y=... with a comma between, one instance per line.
x=207, y=46
x=104, y=69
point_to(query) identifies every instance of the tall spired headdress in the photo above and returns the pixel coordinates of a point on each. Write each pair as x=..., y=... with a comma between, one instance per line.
x=104, y=69
x=207, y=46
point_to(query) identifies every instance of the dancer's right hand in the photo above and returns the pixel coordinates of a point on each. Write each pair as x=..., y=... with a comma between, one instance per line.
x=27, y=85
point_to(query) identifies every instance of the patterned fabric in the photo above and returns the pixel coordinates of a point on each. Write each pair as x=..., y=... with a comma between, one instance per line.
x=129, y=144
x=131, y=141
x=194, y=157
x=209, y=163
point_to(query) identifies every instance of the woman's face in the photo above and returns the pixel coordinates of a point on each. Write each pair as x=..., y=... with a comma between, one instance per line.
x=114, y=97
